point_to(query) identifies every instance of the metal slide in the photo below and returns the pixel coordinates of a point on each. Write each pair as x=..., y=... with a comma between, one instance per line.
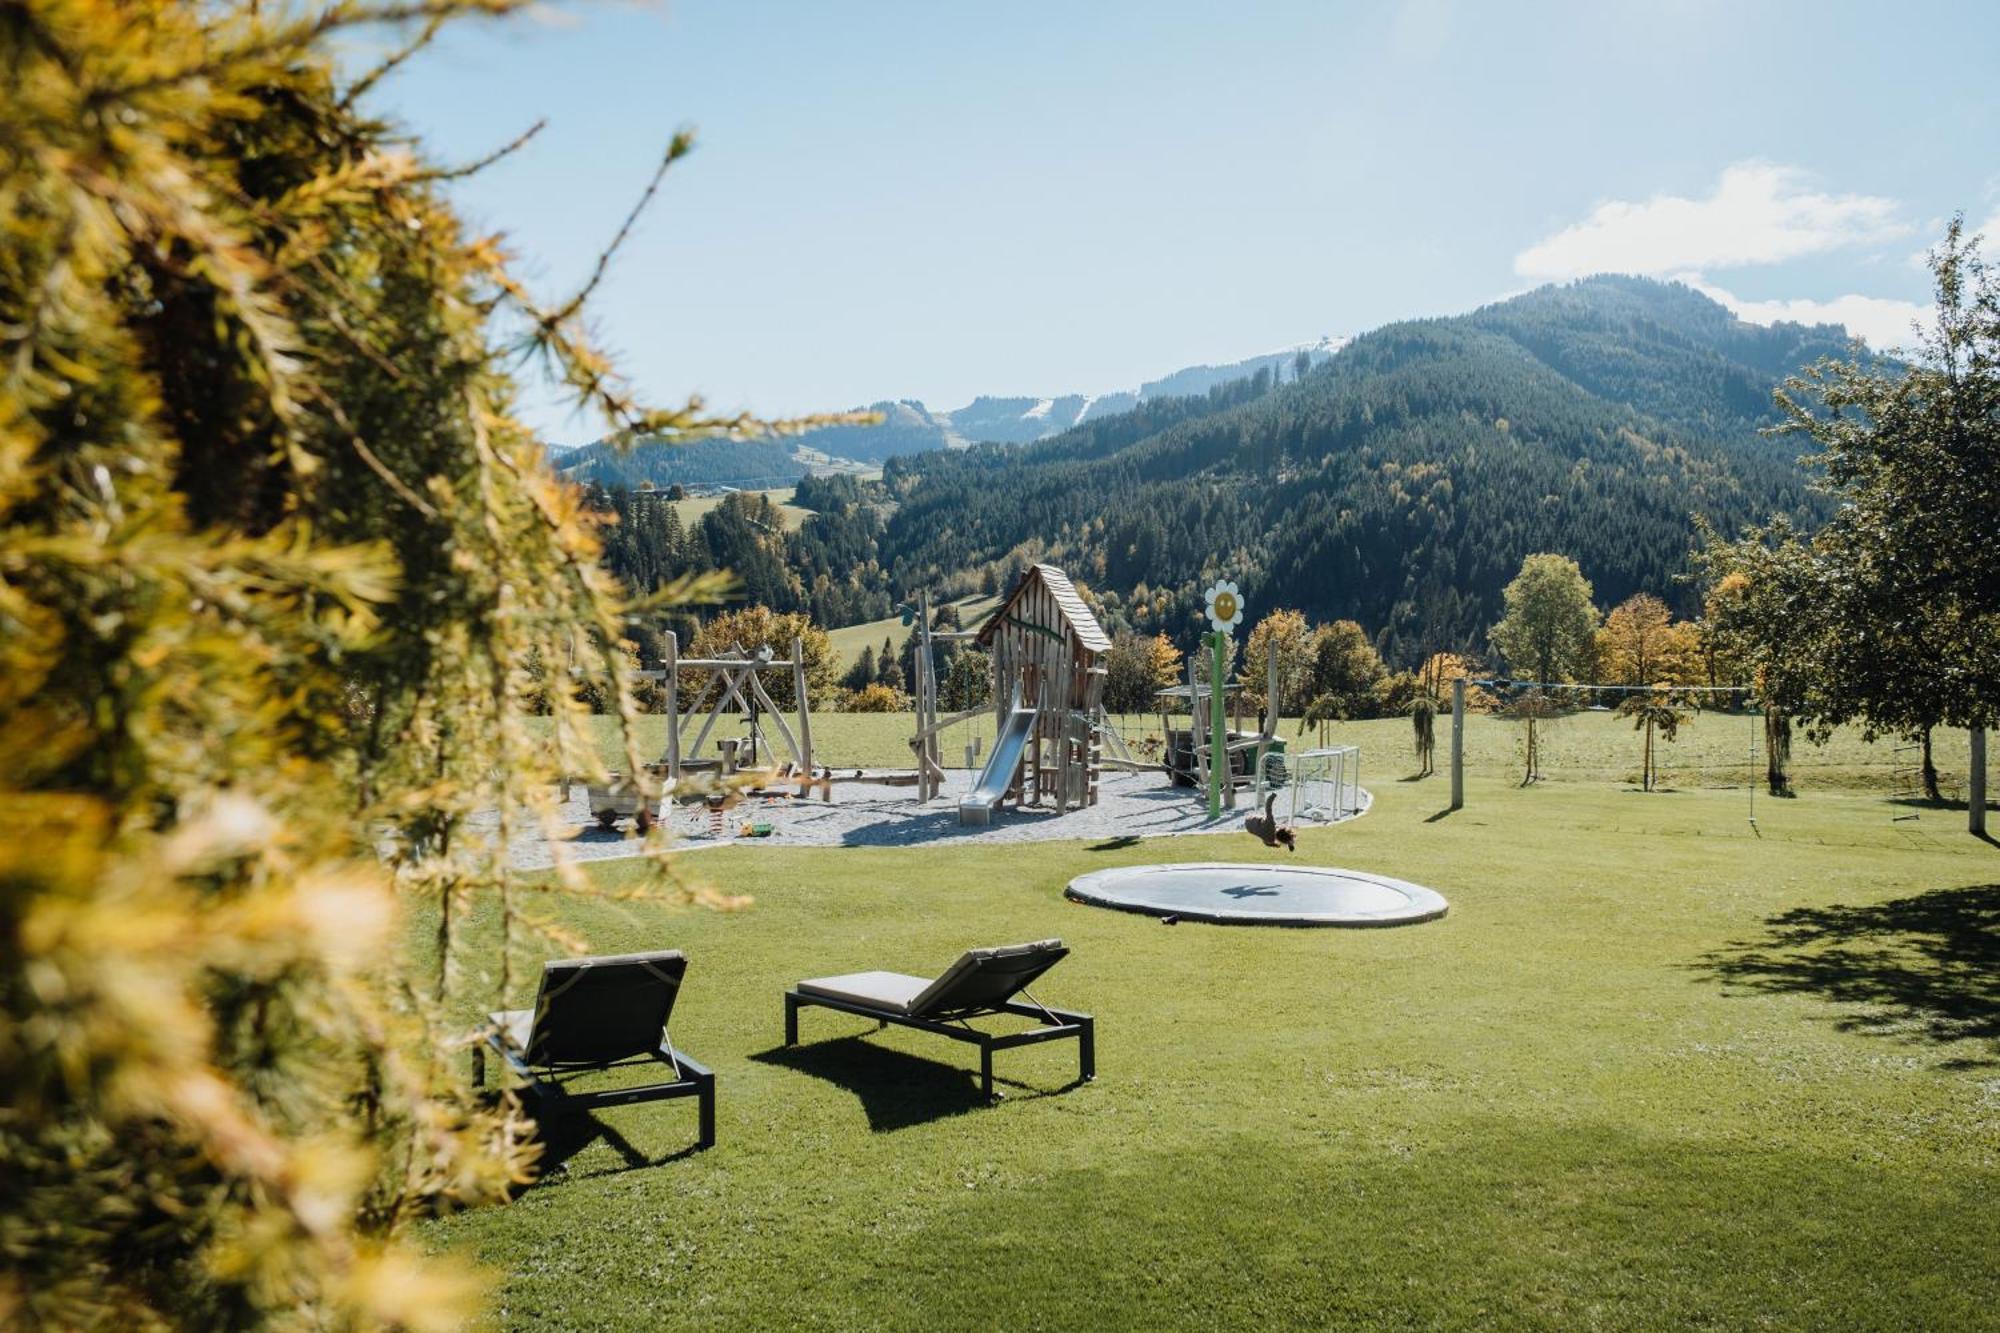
x=976, y=807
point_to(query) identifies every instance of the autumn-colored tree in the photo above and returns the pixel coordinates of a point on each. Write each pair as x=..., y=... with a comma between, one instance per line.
x=1439, y=670
x=1287, y=636
x=1641, y=644
x=748, y=629
x=1136, y=667
x=876, y=698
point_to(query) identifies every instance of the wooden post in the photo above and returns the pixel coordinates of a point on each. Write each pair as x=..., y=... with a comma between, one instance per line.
x=1458, y=744
x=673, y=678
x=805, y=704
x=1975, y=783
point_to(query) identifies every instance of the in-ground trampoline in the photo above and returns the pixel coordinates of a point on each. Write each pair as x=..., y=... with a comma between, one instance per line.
x=1260, y=895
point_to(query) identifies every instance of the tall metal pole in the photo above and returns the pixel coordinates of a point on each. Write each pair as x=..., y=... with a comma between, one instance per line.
x=673, y=679
x=1218, y=745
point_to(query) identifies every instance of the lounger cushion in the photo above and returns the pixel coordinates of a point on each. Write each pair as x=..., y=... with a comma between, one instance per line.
x=514, y=1025
x=596, y=1011
x=887, y=991
x=982, y=978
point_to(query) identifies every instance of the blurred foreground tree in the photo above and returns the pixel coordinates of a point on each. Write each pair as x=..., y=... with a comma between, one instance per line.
x=278, y=574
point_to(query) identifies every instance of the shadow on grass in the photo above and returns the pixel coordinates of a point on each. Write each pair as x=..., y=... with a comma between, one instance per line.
x=565, y=1136
x=897, y=1090
x=1118, y=844
x=1924, y=968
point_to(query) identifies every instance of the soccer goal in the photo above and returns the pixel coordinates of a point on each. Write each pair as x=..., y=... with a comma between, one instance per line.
x=1326, y=784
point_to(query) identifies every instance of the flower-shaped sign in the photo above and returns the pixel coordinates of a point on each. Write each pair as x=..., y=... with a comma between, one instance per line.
x=1225, y=607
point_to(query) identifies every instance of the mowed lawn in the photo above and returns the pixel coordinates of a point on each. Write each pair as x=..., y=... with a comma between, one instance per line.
x=1655, y=1069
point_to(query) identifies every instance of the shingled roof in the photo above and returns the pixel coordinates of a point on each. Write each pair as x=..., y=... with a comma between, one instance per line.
x=1069, y=603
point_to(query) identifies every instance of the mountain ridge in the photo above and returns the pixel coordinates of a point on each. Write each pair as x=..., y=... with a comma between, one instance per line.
x=908, y=426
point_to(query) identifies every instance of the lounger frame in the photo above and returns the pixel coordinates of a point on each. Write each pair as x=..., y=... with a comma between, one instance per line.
x=1059, y=1025
x=545, y=1083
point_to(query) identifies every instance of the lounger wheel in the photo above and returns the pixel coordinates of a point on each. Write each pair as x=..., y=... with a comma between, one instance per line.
x=607, y=820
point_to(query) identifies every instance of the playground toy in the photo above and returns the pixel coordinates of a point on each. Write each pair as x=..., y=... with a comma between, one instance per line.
x=1326, y=783
x=733, y=679
x=616, y=799
x=1250, y=895
x=1206, y=750
x=1046, y=647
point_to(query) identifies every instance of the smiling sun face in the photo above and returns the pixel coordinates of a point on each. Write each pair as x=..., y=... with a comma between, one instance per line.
x=1225, y=606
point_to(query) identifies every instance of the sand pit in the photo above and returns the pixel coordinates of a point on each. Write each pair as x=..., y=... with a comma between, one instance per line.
x=1130, y=806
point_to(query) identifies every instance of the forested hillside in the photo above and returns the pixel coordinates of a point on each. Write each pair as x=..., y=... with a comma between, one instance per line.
x=1399, y=484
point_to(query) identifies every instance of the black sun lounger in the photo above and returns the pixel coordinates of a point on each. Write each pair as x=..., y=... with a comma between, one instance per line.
x=981, y=983
x=595, y=1014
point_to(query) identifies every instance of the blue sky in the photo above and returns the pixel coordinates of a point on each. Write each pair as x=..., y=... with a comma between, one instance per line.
x=940, y=200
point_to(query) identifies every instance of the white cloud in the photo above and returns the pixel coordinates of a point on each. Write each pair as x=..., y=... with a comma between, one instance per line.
x=1884, y=324
x=1758, y=213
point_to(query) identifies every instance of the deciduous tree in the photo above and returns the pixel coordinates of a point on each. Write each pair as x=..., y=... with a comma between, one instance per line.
x=1549, y=619
x=1285, y=635
x=1346, y=668
x=1889, y=614
x=1641, y=644
x=749, y=629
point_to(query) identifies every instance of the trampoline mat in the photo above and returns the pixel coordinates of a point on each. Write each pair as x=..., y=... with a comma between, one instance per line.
x=1269, y=895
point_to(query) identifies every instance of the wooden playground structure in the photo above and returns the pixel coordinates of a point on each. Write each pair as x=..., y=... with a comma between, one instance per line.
x=1047, y=683
x=1052, y=737
x=734, y=679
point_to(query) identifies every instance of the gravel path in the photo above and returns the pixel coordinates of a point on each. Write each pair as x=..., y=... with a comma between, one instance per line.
x=875, y=814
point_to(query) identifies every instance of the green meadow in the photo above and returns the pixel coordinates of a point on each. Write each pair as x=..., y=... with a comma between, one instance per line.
x=1657, y=1068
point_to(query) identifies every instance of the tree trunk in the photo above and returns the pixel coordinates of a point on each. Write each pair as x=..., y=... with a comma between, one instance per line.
x=1646, y=765
x=1777, y=752
x=1930, y=771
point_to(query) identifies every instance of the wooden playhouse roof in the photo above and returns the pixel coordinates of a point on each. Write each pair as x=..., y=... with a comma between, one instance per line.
x=1069, y=605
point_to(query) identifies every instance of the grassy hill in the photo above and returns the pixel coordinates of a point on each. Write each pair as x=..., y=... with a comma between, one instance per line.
x=691, y=509
x=849, y=640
